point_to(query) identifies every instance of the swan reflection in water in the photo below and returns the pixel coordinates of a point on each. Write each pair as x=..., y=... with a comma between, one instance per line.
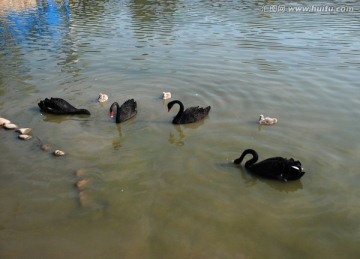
x=179, y=141
x=252, y=180
x=59, y=119
x=276, y=185
x=179, y=138
x=116, y=142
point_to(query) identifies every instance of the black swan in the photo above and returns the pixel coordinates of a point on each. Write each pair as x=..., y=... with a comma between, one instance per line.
x=60, y=106
x=190, y=115
x=125, y=111
x=278, y=168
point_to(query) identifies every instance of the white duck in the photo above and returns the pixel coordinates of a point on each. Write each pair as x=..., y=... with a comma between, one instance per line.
x=166, y=95
x=267, y=120
x=103, y=98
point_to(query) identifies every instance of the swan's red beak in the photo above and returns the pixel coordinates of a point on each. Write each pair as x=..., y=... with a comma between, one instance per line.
x=168, y=110
x=111, y=114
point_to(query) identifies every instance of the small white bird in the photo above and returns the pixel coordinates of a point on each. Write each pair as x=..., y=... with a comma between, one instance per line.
x=103, y=98
x=267, y=120
x=166, y=95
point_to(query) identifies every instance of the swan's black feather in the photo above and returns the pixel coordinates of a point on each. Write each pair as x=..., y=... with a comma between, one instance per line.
x=126, y=111
x=278, y=168
x=60, y=106
x=190, y=115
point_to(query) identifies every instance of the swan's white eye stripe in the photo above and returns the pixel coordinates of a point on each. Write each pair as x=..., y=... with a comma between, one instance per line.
x=295, y=167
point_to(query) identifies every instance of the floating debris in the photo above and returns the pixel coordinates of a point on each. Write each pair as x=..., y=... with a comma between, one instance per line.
x=25, y=137
x=4, y=121
x=267, y=120
x=59, y=153
x=10, y=126
x=103, y=98
x=24, y=130
x=166, y=95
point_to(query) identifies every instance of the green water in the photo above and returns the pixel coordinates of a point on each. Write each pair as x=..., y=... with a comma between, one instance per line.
x=156, y=190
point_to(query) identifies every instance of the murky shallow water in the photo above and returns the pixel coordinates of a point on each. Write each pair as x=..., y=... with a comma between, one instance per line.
x=162, y=191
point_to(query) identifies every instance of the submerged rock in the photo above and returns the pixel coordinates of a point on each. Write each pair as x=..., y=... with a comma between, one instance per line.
x=45, y=147
x=24, y=130
x=4, y=121
x=81, y=183
x=10, y=126
x=25, y=137
x=80, y=172
x=59, y=153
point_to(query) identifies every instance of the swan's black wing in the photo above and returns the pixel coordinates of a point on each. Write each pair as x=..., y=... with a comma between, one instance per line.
x=51, y=105
x=278, y=168
x=59, y=106
x=194, y=114
x=128, y=110
x=294, y=170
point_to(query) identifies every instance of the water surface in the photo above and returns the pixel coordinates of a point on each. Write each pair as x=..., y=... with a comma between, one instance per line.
x=162, y=191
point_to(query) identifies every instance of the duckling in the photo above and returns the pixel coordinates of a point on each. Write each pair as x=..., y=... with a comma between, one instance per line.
x=103, y=98
x=267, y=120
x=166, y=95
x=4, y=121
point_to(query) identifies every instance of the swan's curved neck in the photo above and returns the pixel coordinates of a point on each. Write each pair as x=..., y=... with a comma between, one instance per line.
x=112, y=110
x=249, y=162
x=181, y=110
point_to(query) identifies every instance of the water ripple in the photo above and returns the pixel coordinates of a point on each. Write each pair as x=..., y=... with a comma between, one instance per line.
x=177, y=184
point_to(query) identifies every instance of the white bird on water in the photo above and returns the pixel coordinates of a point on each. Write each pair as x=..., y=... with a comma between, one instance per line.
x=267, y=120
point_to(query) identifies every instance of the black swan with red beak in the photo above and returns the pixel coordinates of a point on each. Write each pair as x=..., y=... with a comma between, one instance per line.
x=60, y=106
x=190, y=115
x=124, y=112
x=278, y=168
